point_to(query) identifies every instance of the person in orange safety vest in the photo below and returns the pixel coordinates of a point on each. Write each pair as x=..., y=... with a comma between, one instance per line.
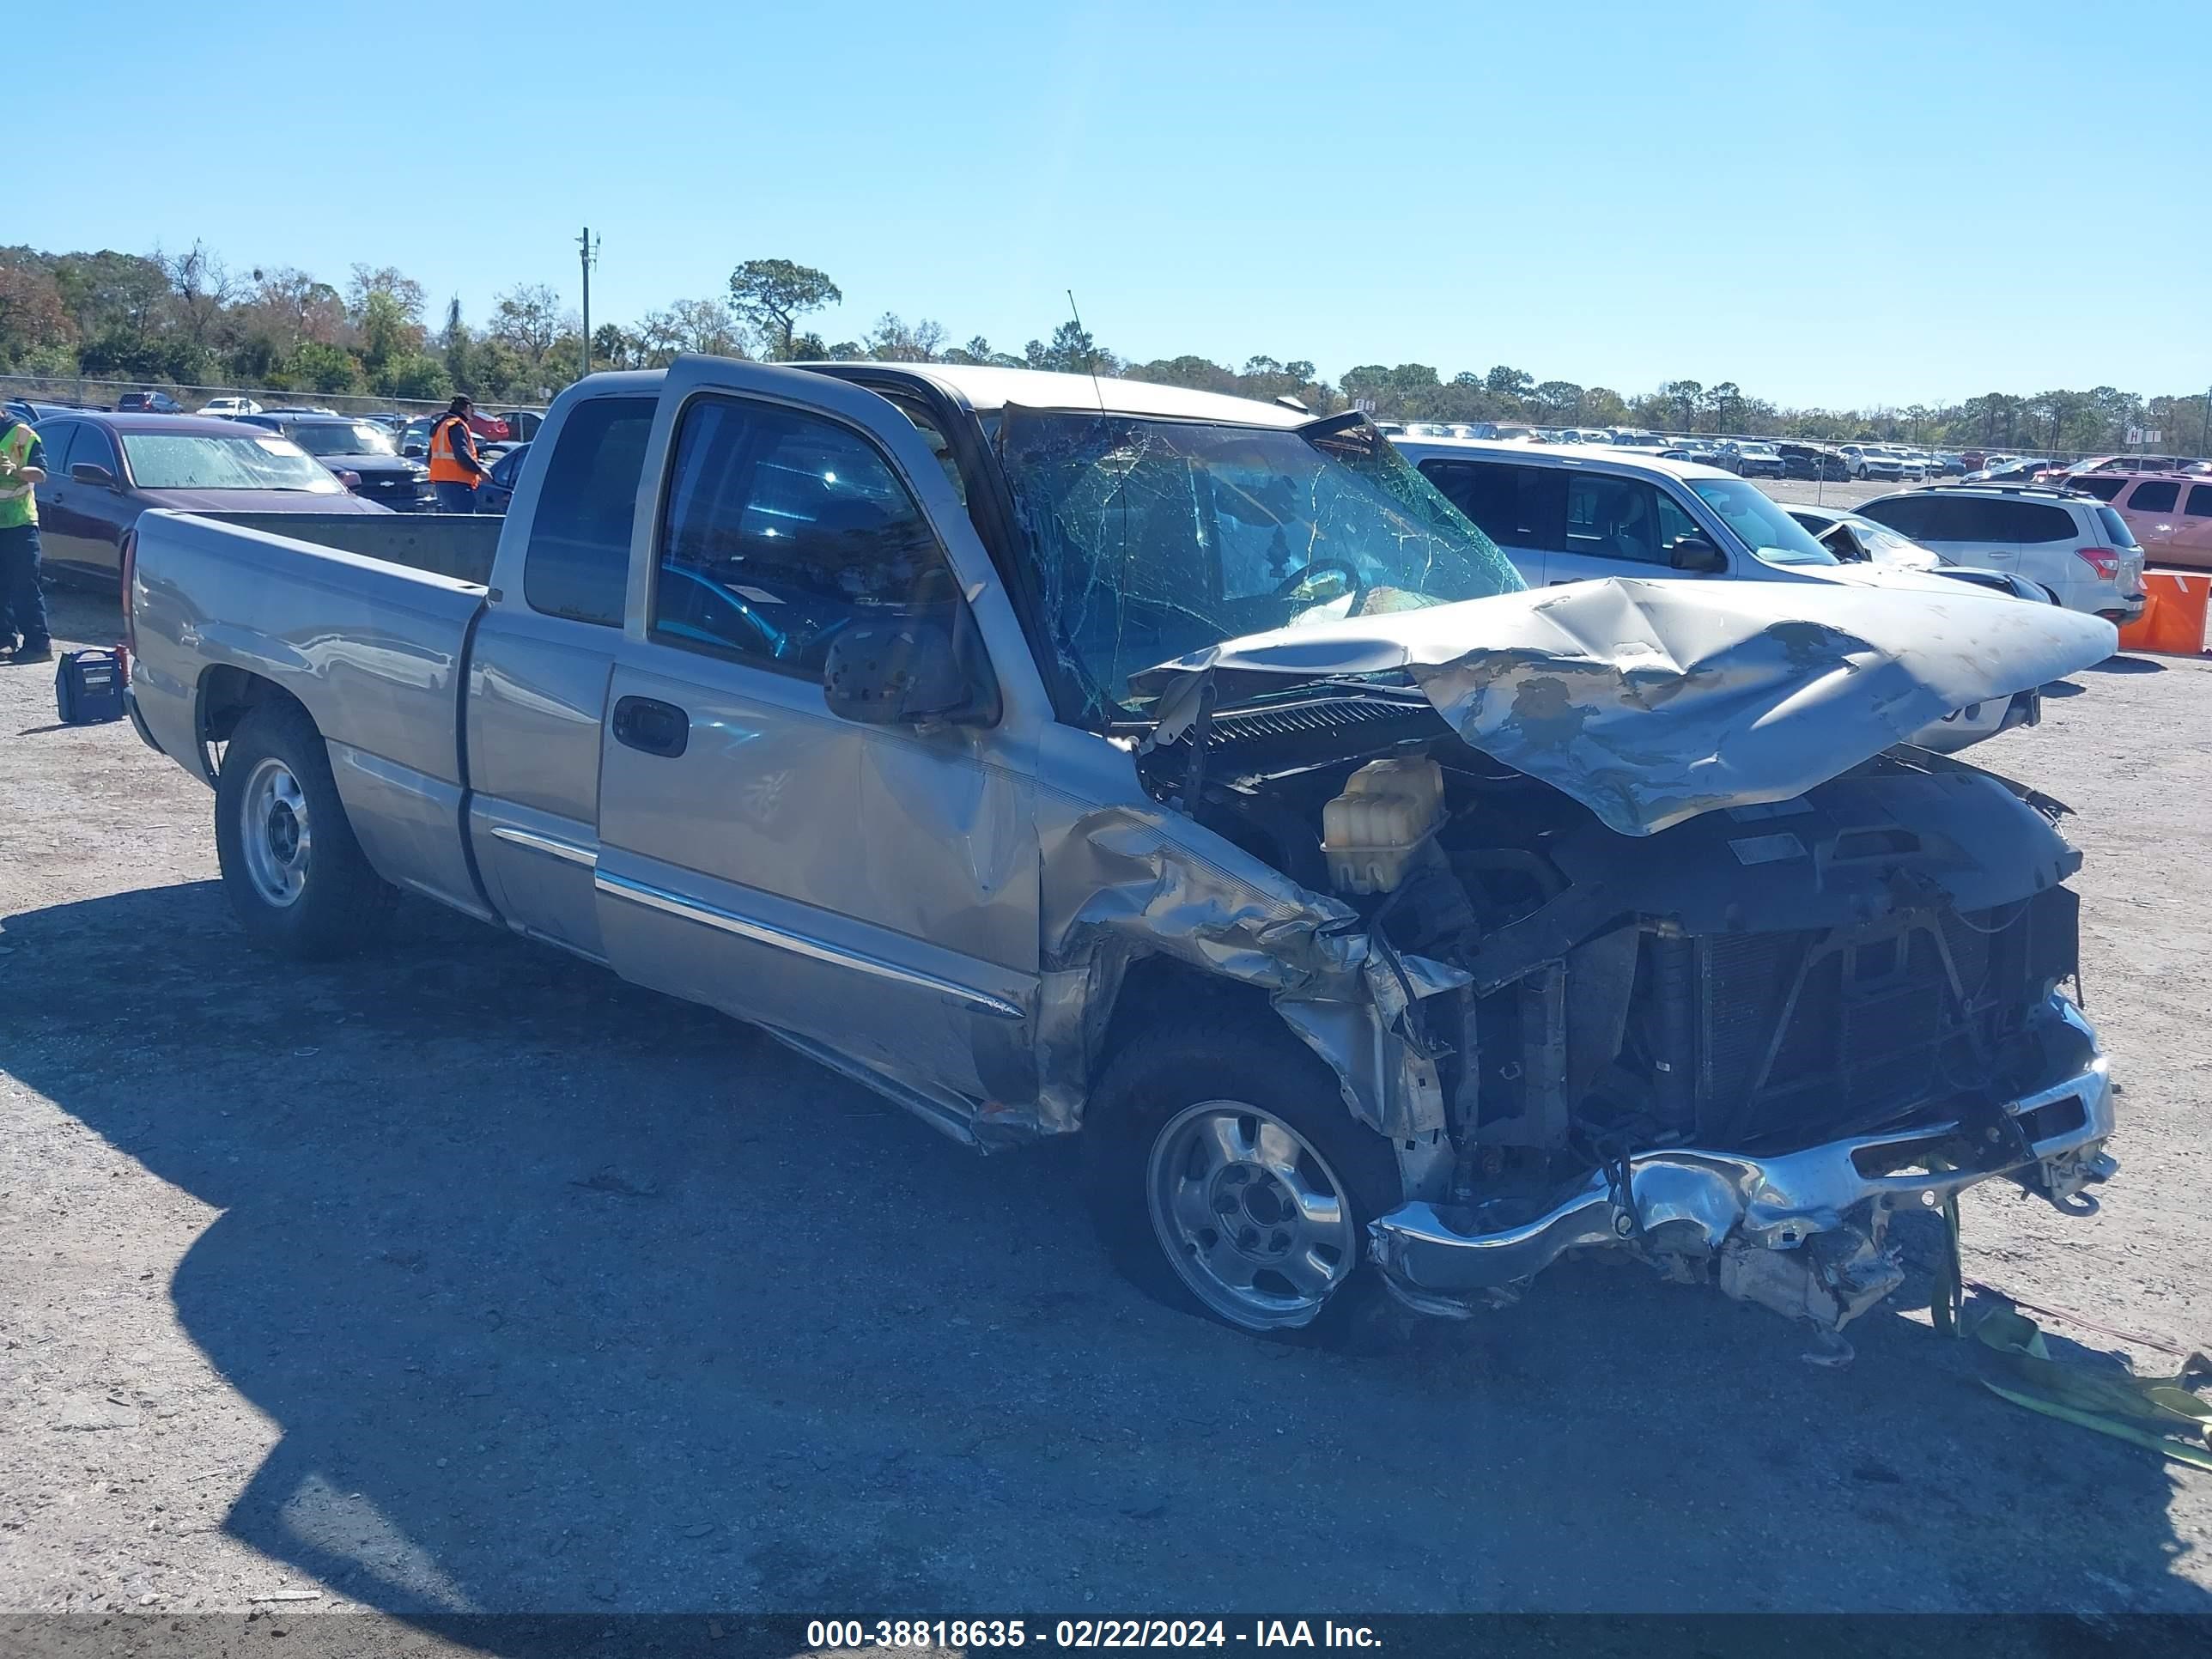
x=455, y=473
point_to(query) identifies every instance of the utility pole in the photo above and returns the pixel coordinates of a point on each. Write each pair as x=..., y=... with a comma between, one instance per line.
x=587, y=250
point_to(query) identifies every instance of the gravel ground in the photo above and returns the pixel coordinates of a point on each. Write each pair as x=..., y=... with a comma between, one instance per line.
x=462, y=1277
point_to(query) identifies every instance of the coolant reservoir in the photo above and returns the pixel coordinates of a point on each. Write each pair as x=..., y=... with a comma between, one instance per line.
x=1371, y=831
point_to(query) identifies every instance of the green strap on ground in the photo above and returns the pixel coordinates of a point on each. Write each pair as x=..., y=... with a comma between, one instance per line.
x=2158, y=1412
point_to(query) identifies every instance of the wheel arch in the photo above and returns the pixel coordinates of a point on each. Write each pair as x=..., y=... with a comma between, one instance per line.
x=226, y=695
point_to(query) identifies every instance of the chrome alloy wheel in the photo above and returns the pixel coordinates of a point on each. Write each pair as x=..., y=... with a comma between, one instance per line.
x=273, y=832
x=1255, y=1220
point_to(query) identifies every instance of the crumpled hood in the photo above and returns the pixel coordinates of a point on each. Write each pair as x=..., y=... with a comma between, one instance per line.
x=1652, y=702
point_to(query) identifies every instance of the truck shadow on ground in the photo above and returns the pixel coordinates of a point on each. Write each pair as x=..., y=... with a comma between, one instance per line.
x=564, y=1296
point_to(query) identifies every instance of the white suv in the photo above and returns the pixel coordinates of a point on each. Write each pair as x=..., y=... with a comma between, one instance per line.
x=2073, y=544
x=1567, y=514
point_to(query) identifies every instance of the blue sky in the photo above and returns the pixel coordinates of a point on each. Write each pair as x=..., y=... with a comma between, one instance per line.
x=1827, y=203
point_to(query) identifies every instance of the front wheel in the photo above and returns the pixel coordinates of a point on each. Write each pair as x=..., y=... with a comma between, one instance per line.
x=295, y=875
x=1226, y=1176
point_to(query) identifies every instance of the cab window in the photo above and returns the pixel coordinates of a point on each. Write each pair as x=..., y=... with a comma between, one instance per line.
x=782, y=528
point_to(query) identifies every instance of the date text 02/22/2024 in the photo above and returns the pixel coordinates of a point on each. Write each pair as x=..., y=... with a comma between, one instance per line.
x=1087, y=1632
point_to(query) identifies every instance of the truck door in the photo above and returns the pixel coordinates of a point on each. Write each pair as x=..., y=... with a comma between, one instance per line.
x=872, y=889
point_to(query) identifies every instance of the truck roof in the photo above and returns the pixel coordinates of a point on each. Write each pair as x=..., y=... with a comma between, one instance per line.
x=987, y=389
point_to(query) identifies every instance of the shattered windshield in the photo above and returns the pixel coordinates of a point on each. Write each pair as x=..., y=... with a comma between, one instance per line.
x=1155, y=538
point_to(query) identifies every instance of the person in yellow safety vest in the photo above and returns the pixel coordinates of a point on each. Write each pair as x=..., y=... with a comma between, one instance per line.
x=22, y=607
x=456, y=474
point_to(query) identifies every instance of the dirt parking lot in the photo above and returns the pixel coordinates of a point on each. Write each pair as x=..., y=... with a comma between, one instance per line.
x=461, y=1277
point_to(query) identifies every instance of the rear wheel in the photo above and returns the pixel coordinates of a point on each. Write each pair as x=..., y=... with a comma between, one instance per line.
x=1227, y=1177
x=295, y=875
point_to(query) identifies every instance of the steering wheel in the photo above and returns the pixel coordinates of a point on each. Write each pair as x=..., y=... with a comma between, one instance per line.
x=1290, y=583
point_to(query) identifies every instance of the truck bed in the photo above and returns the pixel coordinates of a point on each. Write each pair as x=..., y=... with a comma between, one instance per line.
x=365, y=620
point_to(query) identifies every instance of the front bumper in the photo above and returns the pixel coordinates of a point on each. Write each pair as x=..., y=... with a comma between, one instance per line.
x=1687, y=1202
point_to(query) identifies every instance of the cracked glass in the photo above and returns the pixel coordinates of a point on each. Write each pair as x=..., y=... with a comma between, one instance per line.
x=1155, y=538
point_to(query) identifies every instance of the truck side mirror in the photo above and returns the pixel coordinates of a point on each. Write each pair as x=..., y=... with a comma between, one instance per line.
x=919, y=668
x=1697, y=557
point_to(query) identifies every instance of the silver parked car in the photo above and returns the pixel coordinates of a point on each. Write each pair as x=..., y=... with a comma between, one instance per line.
x=1055, y=754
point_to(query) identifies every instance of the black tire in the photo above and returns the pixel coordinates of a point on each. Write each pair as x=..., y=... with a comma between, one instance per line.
x=1194, y=1057
x=341, y=903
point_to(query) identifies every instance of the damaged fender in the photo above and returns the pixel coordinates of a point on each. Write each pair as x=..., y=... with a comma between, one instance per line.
x=1126, y=881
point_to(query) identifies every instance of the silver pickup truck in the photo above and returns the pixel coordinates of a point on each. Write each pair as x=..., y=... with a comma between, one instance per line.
x=1052, y=753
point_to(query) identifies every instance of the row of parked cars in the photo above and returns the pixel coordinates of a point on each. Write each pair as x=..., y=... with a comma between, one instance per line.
x=107, y=466
x=1748, y=458
x=104, y=467
x=1565, y=514
x=2166, y=500
x=379, y=458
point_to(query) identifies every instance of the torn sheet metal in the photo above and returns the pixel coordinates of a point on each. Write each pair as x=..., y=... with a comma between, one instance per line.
x=1650, y=701
x=1127, y=881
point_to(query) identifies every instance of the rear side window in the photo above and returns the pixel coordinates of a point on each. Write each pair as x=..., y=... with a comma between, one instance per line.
x=2031, y=521
x=2116, y=528
x=55, y=437
x=2200, y=501
x=577, y=564
x=1918, y=516
x=1522, y=507
x=1971, y=519
x=2104, y=489
x=2159, y=496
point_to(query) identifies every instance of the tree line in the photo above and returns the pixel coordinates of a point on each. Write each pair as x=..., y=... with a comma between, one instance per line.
x=189, y=319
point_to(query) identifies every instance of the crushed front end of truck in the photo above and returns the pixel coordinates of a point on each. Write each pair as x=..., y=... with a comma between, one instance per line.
x=1624, y=911
x=1650, y=938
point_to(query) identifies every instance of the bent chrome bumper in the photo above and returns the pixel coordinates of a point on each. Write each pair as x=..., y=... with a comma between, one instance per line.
x=1685, y=1201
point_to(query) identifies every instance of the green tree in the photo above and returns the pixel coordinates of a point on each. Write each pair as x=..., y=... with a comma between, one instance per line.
x=978, y=350
x=1507, y=382
x=891, y=341
x=1603, y=406
x=454, y=343
x=387, y=332
x=367, y=282
x=772, y=294
x=31, y=315
x=616, y=347
x=416, y=375
x=1560, y=400
x=319, y=367
x=705, y=326
x=1070, y=351
x=528, y=320
x=1682, y=399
